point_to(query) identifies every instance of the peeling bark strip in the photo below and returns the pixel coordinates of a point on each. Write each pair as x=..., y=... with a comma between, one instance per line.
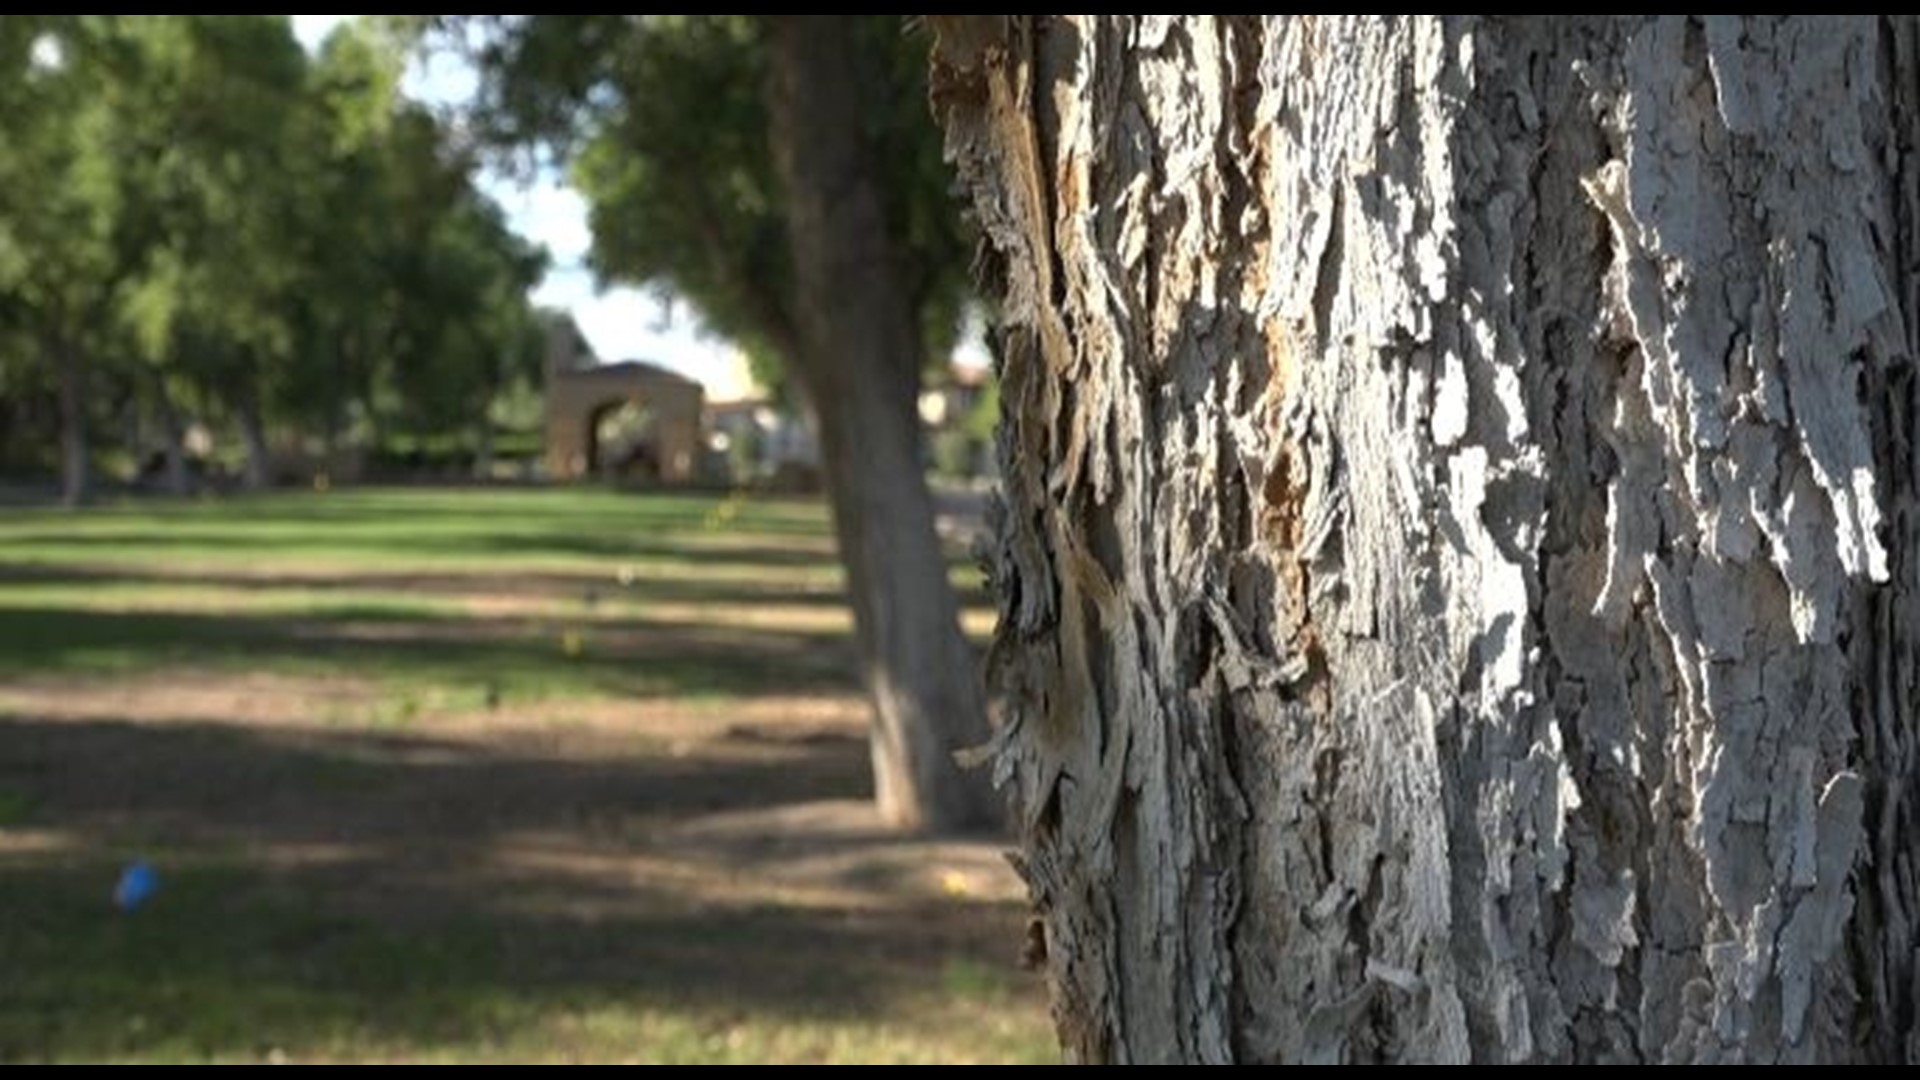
x=1458, y=583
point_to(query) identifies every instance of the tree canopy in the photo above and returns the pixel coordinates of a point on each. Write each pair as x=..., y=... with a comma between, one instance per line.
x=661, y=122
x=783, y=174
x=197, y=218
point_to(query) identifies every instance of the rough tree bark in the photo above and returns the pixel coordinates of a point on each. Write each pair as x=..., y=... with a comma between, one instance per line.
x=858, y=358
x=1458, y=585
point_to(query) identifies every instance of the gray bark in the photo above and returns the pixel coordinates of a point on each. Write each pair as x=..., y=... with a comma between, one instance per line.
x=173, y=432
x=858, y=356
x=76, y=462
x=1457, y=585
x=483, y=448
x=257, y=472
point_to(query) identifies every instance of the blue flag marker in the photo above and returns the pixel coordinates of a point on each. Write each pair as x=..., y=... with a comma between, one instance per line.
x=138, y=883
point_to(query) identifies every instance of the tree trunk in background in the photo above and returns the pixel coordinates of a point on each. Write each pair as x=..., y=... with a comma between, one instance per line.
x=257, y=474
x=858, y=356
x=1459, y=595
x=483, y=449
x=173, y=429
x=336, y=408
x=76, y=467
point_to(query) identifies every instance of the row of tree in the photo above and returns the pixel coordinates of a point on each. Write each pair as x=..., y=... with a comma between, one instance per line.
x=200, y=224
x=785, y=175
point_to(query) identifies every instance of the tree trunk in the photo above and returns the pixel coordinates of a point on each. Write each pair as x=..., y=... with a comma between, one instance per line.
x=257, y=474
x=76, y=465
x=336, y=404
x=173, y=430
x=858, y=356
x=1458, y=594
x=483, y=448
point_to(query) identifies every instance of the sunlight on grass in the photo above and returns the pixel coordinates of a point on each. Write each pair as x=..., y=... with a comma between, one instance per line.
x=538, y=593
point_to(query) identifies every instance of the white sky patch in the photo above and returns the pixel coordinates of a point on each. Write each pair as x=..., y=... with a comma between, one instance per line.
x=620, y=323
x=549, y=211
x=313, y=29
x=971, y=350
x=47, y=54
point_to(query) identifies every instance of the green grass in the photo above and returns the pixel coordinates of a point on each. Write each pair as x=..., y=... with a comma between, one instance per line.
x=16, y=807
x=289, y=583
x=344, y=845
x=227, y=965
x=497, y=529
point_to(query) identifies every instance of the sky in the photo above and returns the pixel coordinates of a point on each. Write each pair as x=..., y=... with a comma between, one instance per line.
x=621, y=323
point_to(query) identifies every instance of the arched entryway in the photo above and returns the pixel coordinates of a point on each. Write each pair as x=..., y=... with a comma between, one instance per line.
x=623, y=441
x=627, y=421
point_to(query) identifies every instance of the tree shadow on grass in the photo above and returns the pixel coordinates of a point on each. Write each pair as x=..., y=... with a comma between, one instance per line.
x=342, y=894
x=775, y=590
x=231, y=965
x=629, y=657
x=427, y=509
x=665, y=547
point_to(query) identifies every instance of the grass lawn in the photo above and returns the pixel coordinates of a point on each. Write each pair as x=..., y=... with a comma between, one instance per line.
x=467, y=775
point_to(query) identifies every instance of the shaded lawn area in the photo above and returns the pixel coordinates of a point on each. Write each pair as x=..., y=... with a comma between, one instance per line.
x=467, y=776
